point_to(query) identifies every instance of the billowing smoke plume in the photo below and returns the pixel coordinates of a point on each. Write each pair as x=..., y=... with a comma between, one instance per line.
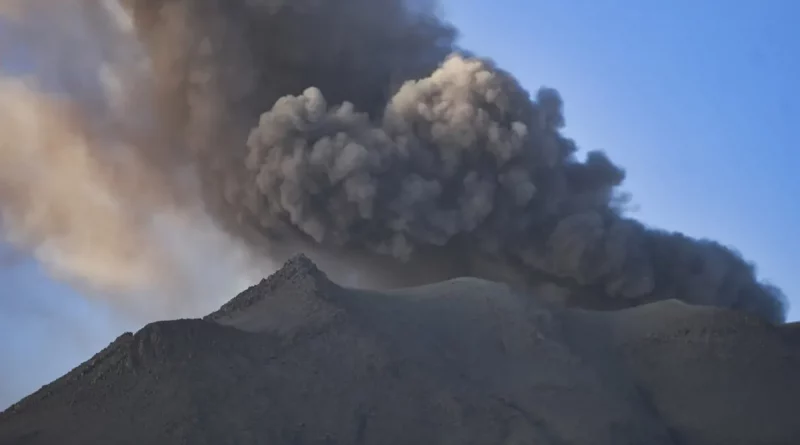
x=357, y=130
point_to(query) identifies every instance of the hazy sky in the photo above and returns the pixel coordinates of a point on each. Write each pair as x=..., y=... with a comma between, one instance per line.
x=697, y=99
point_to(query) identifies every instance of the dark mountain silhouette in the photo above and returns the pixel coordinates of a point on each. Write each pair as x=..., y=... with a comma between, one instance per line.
x=298, y=359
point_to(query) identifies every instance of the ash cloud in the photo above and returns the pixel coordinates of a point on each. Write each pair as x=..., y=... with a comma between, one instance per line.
x=359, y=131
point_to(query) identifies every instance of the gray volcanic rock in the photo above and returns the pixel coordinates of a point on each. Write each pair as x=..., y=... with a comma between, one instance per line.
x=297, y=359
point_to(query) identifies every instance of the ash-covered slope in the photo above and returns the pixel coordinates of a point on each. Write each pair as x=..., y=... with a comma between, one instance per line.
x=300, y=360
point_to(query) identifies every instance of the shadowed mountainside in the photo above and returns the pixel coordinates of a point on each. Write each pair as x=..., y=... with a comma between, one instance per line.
x=298, y=359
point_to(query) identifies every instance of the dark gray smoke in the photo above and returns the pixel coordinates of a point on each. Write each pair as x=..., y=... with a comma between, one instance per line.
x=358, y=126
x=375, y=139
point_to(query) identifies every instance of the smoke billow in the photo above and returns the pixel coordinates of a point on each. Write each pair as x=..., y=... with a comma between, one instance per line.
x=355, y=129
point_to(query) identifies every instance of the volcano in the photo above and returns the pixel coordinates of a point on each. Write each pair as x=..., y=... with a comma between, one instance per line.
x=298, y=359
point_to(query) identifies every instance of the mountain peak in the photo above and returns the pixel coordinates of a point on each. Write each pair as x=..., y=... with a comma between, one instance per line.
x=297, y=295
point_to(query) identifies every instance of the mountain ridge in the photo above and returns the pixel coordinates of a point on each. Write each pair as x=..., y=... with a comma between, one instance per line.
x=297, y=359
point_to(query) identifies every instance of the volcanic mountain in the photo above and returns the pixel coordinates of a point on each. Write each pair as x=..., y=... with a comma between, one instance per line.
x=298, y=359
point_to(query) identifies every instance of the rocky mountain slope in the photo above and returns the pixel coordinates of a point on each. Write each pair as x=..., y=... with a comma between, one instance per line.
x=297, y=359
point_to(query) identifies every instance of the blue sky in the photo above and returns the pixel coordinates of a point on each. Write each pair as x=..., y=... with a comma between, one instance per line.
x=697, y=99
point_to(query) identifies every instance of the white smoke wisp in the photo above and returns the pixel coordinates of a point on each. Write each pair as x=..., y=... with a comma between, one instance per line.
x=74, y=191
x=60, y=203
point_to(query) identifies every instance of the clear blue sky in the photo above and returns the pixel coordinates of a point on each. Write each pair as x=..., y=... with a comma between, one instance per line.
x=697, y=99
